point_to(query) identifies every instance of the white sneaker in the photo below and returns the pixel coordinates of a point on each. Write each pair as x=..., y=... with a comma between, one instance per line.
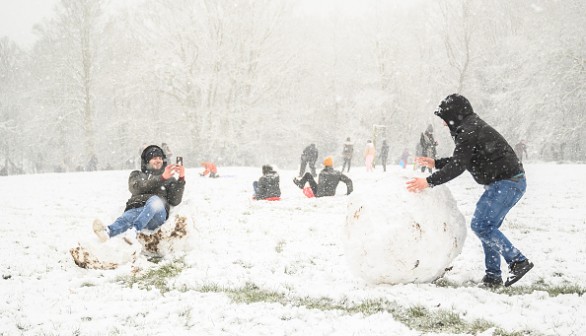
x=101, y=230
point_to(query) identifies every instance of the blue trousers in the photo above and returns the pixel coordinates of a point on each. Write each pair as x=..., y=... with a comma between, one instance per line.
x=151, y=216
x=491, y=209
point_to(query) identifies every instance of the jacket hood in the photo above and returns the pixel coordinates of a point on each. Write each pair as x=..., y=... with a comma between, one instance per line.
x=453, y=110
x=147, y=155
x=267, y=169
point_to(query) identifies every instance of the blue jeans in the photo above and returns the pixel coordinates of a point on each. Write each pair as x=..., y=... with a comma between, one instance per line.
x=492, y=207
x=151, y=216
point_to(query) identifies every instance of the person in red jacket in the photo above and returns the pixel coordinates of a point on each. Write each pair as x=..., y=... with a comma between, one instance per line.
x=210, y=168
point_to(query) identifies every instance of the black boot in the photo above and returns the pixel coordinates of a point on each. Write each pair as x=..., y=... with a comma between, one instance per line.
x=517, y=269
x=296, y=181
x=491, y=281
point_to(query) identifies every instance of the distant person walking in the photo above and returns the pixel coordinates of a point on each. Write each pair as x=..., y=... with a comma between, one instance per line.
x=428, y=145
x=521, y=150
x=92, y=164
x=347, y=154
x=369, y=155
x=404, y=158
x=482, y=151
x=384, y=154
x=309, y=156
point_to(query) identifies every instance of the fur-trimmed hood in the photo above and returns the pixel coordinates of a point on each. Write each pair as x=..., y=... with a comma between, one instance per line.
x=147, y=154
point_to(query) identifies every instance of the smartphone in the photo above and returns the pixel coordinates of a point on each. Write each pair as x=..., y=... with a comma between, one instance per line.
x=179, y=160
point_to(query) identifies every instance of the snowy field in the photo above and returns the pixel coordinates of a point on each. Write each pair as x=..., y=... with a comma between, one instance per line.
x=277, y=268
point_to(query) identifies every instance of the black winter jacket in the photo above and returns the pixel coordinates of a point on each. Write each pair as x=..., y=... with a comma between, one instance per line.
x=480, y=149
x=310, y=153
x=268, y=186
x=328, y=182
x=428, y=145
x=143, y=184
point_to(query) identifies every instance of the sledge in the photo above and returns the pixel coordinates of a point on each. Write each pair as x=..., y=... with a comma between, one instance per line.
x=276, y=198
x=122, y=250
x=308, y=192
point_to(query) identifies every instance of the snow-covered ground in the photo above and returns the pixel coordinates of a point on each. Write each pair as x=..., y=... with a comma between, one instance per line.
x=292, y=249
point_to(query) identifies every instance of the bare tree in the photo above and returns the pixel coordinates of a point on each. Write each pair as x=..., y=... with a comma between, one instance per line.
x=11, y=59
x=68, y=46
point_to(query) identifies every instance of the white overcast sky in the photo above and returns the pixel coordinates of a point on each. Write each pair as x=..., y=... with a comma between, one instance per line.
x=17, y=18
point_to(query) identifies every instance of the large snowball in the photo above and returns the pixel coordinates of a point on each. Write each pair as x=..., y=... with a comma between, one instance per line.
x=393, y=236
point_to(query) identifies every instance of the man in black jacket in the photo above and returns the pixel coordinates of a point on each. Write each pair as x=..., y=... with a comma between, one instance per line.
x=428, y=145
x=328, y=180
x=347, y=154
x=482, y=151
x=267, y=186
x=384, y=154
x=309, y=156
x=154, y=189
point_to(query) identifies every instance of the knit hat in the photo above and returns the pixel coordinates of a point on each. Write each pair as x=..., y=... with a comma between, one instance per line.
x=266, y=169
x=153, y=151
x=329, y=161
x=149, y=153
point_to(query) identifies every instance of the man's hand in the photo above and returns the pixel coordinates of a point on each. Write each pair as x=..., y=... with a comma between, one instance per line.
x=417, y=184
x=425, y=161
x=180, y=170
x=168, y=173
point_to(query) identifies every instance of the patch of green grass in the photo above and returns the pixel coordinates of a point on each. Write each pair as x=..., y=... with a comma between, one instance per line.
x=540, y=285
x=500, y=332
x=156, y=277
x=250, y=293
x=210, y=288
x=553, y=291
x=371, y=307
x=418, y=317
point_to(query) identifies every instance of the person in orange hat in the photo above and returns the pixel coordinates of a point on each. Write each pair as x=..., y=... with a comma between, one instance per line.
x=328, y=180
x=210, y=168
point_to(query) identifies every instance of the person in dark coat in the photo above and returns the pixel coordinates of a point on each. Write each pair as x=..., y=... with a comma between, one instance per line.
x=153, y=190
x=482, y=151
x=93, y=163
x=521, y=150
x=328, y=180
x=347, y=154
x=384, y=154
x=267, y=186
x=428, y=145
x=309, y=156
